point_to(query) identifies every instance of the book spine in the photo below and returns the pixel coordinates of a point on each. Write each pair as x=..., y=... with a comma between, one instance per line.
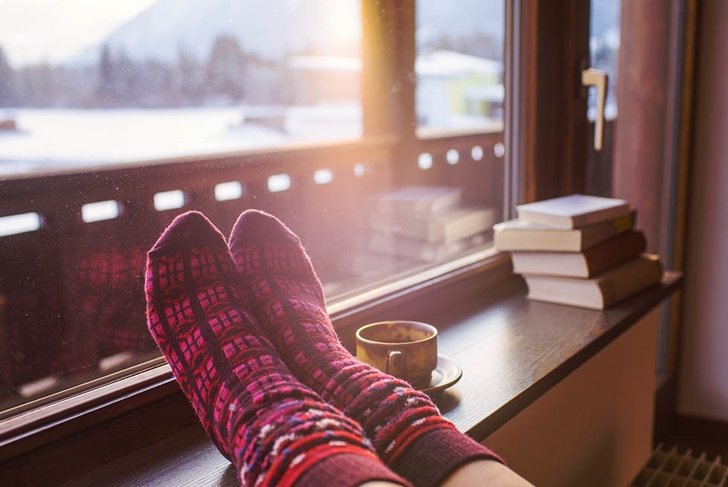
x=612, y=252
x=599, y=232
x=625, y=222
x=423, y=203
x=534, y=241
x=625, y=284
x=578, y=221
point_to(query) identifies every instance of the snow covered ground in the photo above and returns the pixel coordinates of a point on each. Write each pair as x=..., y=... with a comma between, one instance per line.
x=52, y=140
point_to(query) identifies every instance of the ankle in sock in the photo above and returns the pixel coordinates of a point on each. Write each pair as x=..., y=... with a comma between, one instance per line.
x=286, y=296
x=274, y=429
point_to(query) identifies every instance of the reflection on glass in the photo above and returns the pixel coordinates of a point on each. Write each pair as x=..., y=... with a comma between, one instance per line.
x=450, y=192
x=604, y=49
x=459, y=64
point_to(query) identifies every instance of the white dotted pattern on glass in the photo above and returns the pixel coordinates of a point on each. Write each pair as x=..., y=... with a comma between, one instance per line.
x=499, y=150
x=452, y=156
x=279, y=182
x=424, y=161
x=476, y=153
x=323, y=176
x=21, y=223
x=100, y=211
x=227, y=191
x=169, y=200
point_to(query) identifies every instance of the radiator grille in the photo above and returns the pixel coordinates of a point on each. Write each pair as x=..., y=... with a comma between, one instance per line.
x=670, y=468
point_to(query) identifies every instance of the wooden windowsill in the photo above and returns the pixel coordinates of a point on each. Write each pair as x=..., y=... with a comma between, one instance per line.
x=512, y=351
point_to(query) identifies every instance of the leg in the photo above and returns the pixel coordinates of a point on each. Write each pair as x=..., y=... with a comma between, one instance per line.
x=476, y=473
x=404, y=425
x=275, y=430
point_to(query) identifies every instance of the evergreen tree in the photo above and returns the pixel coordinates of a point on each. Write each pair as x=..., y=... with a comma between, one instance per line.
x=105, y=75
x=126, y=81
x=7, y=82
x=226, y=69
x=189, y=78
x=42, y=85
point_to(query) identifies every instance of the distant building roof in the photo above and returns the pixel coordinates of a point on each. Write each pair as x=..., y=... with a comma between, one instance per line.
x=442, y=63
x=486, y=93
x=316, y=62
x=433, y=63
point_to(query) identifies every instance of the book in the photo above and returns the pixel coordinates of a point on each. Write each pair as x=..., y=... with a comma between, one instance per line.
x=421, y=249
x=420, y=199
x=444, y=227
x=588, y=263
x=598, y=292
x=515, y=235
x=572, y=211
x=376, y=265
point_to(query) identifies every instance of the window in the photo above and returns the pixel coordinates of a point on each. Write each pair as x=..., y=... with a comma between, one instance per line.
x=101, y=146
x=604, y=49
x=459, y=65
x=604, y=44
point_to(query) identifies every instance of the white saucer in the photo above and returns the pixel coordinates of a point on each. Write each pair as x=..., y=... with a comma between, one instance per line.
x=445, y=375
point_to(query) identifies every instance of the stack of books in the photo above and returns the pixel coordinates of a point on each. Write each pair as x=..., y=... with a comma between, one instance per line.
x=423, y=224
x=579, y=250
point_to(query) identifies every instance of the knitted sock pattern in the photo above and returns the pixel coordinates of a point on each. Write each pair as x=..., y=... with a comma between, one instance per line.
x=274, y=429
x=405, y=426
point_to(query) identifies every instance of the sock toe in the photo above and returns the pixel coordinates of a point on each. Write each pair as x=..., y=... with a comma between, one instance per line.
x=190, y=228
x=255, y=226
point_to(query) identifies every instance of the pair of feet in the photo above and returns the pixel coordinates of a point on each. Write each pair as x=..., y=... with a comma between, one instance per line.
x=243, y=325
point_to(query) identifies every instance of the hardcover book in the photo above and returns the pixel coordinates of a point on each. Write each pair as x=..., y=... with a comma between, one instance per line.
x=420, y=199
x=572, y=211
x=601, y=291
x=589, y=263
x=421, y=249
x=445, y=227
x=517, y=235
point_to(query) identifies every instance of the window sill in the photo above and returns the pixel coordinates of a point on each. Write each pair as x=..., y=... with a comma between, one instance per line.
x=512, y=351
x=149, y=382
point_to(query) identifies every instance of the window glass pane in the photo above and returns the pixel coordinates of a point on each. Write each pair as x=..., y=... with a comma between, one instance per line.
x=96, y=99
x=120, y=82
x=460, y=64
x=604, y=49
x=165, y=135
x=448, y=190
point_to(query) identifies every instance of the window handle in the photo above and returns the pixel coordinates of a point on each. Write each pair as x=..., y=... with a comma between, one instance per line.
x=598, y=79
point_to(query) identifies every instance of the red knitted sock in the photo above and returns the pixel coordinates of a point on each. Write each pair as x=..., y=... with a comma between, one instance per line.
x=404, y=425
x=274, y=429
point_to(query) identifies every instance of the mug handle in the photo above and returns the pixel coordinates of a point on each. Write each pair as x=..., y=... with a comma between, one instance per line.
x=395, y=363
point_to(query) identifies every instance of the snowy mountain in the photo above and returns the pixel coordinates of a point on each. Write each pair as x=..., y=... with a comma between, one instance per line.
x=274, y=28
x=268, y=28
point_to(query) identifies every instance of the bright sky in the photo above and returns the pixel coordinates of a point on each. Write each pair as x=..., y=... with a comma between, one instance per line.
x=53, y=30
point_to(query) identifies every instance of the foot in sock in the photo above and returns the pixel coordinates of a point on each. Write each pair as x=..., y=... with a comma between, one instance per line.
x=274, y=429
x=286, y=296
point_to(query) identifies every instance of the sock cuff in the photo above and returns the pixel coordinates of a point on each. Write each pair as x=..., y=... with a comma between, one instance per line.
x=431, y=458
x=347, y=470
